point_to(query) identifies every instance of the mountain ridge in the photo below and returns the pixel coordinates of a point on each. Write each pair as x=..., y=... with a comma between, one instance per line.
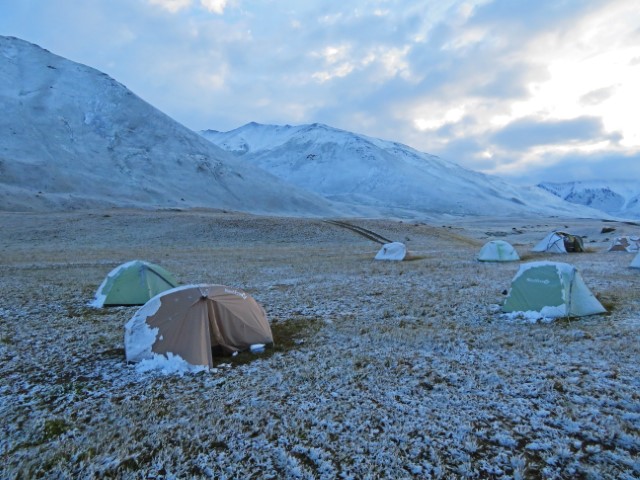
x=616, y=197
x=359, y=170
x=79, y=139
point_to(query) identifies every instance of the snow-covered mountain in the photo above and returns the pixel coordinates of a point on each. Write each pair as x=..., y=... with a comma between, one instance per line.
x=388, y=176
x=620, y=198
x=72, y=137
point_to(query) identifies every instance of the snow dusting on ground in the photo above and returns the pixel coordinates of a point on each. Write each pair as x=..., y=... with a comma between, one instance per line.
x=380, y=369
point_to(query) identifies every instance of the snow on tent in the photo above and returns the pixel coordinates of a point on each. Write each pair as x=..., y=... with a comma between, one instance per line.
x=193, y=320
x=551, y=289
x=392, y=251
x=133, y=283
x=559, y=242
x=625, y=244
x=498, y=251
x=635, y=263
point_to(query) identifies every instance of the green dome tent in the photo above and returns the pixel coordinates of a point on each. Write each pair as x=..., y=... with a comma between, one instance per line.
x=498, y=251
x=133, y=283
x=553, y=290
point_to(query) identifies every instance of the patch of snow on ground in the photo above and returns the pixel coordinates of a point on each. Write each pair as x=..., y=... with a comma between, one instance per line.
x=168, y=364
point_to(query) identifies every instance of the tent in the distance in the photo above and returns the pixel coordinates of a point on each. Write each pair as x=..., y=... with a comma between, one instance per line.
x=392, y=251
x=635, y=263
x=551, y=289
x=133, y=283
x=193, y=321
x=625, y=244
x=559, y=242
x=498, y=251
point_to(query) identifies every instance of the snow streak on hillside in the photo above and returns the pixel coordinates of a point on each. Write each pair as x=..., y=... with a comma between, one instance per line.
x=620, y=198
x=72, y=137
x=388, y=176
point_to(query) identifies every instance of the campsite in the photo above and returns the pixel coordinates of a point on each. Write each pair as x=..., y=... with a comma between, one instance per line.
x=378, y=369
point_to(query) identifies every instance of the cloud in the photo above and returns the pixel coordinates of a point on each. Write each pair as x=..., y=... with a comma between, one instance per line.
x=529, y=132
x=576, y=166
x=215, y=6
x=594, y=97
x=500, y=86
x=519, y=19
x=172, y=6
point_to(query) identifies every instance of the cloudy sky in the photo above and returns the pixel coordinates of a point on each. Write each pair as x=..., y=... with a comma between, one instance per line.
x=531, y=90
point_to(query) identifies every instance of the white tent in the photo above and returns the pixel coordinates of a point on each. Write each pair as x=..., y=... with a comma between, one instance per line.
x=635, y=263
x=625, y=244
x=551, y=289
x=498, y=251
x=392, y=251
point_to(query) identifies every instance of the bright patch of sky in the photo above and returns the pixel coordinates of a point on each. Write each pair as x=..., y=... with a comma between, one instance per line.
x=532, y=91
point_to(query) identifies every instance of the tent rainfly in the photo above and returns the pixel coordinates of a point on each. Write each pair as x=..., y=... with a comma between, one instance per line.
x=625, y=244
x=498, y=251
x=133, y=283
x=559, y=242
x=635, y=263
x=193, y=321
x=392, y=251
x=551, y=289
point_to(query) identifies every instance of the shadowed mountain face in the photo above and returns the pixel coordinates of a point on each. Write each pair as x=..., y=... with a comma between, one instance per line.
x=620, y=198
x=359, y=170
x=72, y=137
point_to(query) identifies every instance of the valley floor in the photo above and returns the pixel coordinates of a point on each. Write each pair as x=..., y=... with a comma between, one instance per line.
x=380, y=369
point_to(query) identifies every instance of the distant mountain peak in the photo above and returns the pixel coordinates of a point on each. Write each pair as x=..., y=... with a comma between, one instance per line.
x=359, y=170
x=615, y=197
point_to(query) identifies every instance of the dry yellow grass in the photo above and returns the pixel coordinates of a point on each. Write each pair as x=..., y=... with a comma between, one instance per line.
x=385, y=369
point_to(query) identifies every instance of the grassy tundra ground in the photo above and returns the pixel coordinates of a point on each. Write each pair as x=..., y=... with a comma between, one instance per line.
x=380, y=369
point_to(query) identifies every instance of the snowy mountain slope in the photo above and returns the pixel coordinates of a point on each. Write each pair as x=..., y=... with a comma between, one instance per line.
x=72, y=137
x=620, y=198
x=360, y=170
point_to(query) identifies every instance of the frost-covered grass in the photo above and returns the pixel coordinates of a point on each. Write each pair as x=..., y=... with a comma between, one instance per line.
x=383, y=369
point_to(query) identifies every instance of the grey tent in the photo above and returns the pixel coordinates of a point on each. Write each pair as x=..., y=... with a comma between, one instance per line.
x=559, y=242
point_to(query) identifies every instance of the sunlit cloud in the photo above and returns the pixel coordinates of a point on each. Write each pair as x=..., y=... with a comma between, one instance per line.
x=337, y=62
x=172, y=6
x=215, y=6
